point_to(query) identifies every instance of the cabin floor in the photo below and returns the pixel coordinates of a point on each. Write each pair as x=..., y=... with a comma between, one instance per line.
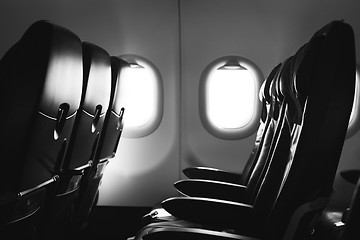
x=109, y=223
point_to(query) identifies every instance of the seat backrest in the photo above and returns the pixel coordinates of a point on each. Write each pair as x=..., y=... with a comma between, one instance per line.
x=325, y=90
x=276, y=118
x=94, y=104
x=112, y=130
x=265, y=119
x=41, y=82
x=265, y=190
x=83, y=142
x=40, y=91
x=105, y=150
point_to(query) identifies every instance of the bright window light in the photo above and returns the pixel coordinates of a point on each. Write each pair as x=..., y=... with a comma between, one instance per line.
x=137, y=92
x=230, y=98
x=141, y=95
x=229, y=104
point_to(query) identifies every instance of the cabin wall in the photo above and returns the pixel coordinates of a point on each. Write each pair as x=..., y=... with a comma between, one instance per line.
x=145, y=168
x=181, y=38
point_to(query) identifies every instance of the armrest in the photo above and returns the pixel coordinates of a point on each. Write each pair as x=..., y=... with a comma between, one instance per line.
x=17, y=206
x=211, y=212
x=165, y=233
x=212, y=174
x=212, y=189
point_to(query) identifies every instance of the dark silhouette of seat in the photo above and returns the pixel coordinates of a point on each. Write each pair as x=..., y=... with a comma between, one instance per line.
x=214, y=174
x=264, y=144
x=297, y=183
x=224, y=213
x=238, y=193
x=275, y=126
x=106, y=148
x=247, y=194
x=84, y=139
x=41, y=81
x=230, y=190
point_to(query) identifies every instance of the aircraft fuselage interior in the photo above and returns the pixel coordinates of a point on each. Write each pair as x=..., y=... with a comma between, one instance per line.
x=179, y=119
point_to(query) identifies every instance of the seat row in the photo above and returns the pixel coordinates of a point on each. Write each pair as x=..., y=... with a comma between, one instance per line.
x=60, y=125
x=307, y=101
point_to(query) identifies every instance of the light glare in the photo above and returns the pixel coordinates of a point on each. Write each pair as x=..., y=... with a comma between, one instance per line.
x=230, y=98
x=138, y=94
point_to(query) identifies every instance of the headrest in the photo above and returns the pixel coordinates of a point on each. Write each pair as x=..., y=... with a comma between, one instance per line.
x=117, y=68
x=266, y=86
x=261, y=91
x=52, y=63
x=303, y=67
x=306, y=57
x=97, y=78
x=40, y=73
x=41, y=78
x=287, y=92
x=283, y=86
x=304, y=63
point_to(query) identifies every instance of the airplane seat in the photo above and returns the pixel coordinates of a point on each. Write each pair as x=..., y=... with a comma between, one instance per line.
x=274, y=165
x=224, y=214
x=114, y=124
x=247, y=194
x=83, y=142
x=319, y=139
x=106, y=148
x=41, y=81
x=309, y=167
x=230, y=192
x=208, y=173
x=224, y=190
x=265, y=135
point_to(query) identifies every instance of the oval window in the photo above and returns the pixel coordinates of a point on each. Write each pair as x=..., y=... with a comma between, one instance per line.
x=229, y=103
x=141, y=93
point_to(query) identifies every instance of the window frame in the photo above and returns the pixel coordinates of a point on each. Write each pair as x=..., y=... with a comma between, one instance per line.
x=153, y=124
x=233, y=133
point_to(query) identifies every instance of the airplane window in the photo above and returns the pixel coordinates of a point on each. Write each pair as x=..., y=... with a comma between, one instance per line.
x=229, y=103
x=142, y=95
x=354, y=121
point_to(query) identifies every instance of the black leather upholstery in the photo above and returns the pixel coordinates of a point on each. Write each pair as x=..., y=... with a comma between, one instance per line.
x=105, y=150
x=61, y=124
x=83, y=142
x=114, y=125
x=327, y=106
x=41, y=81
